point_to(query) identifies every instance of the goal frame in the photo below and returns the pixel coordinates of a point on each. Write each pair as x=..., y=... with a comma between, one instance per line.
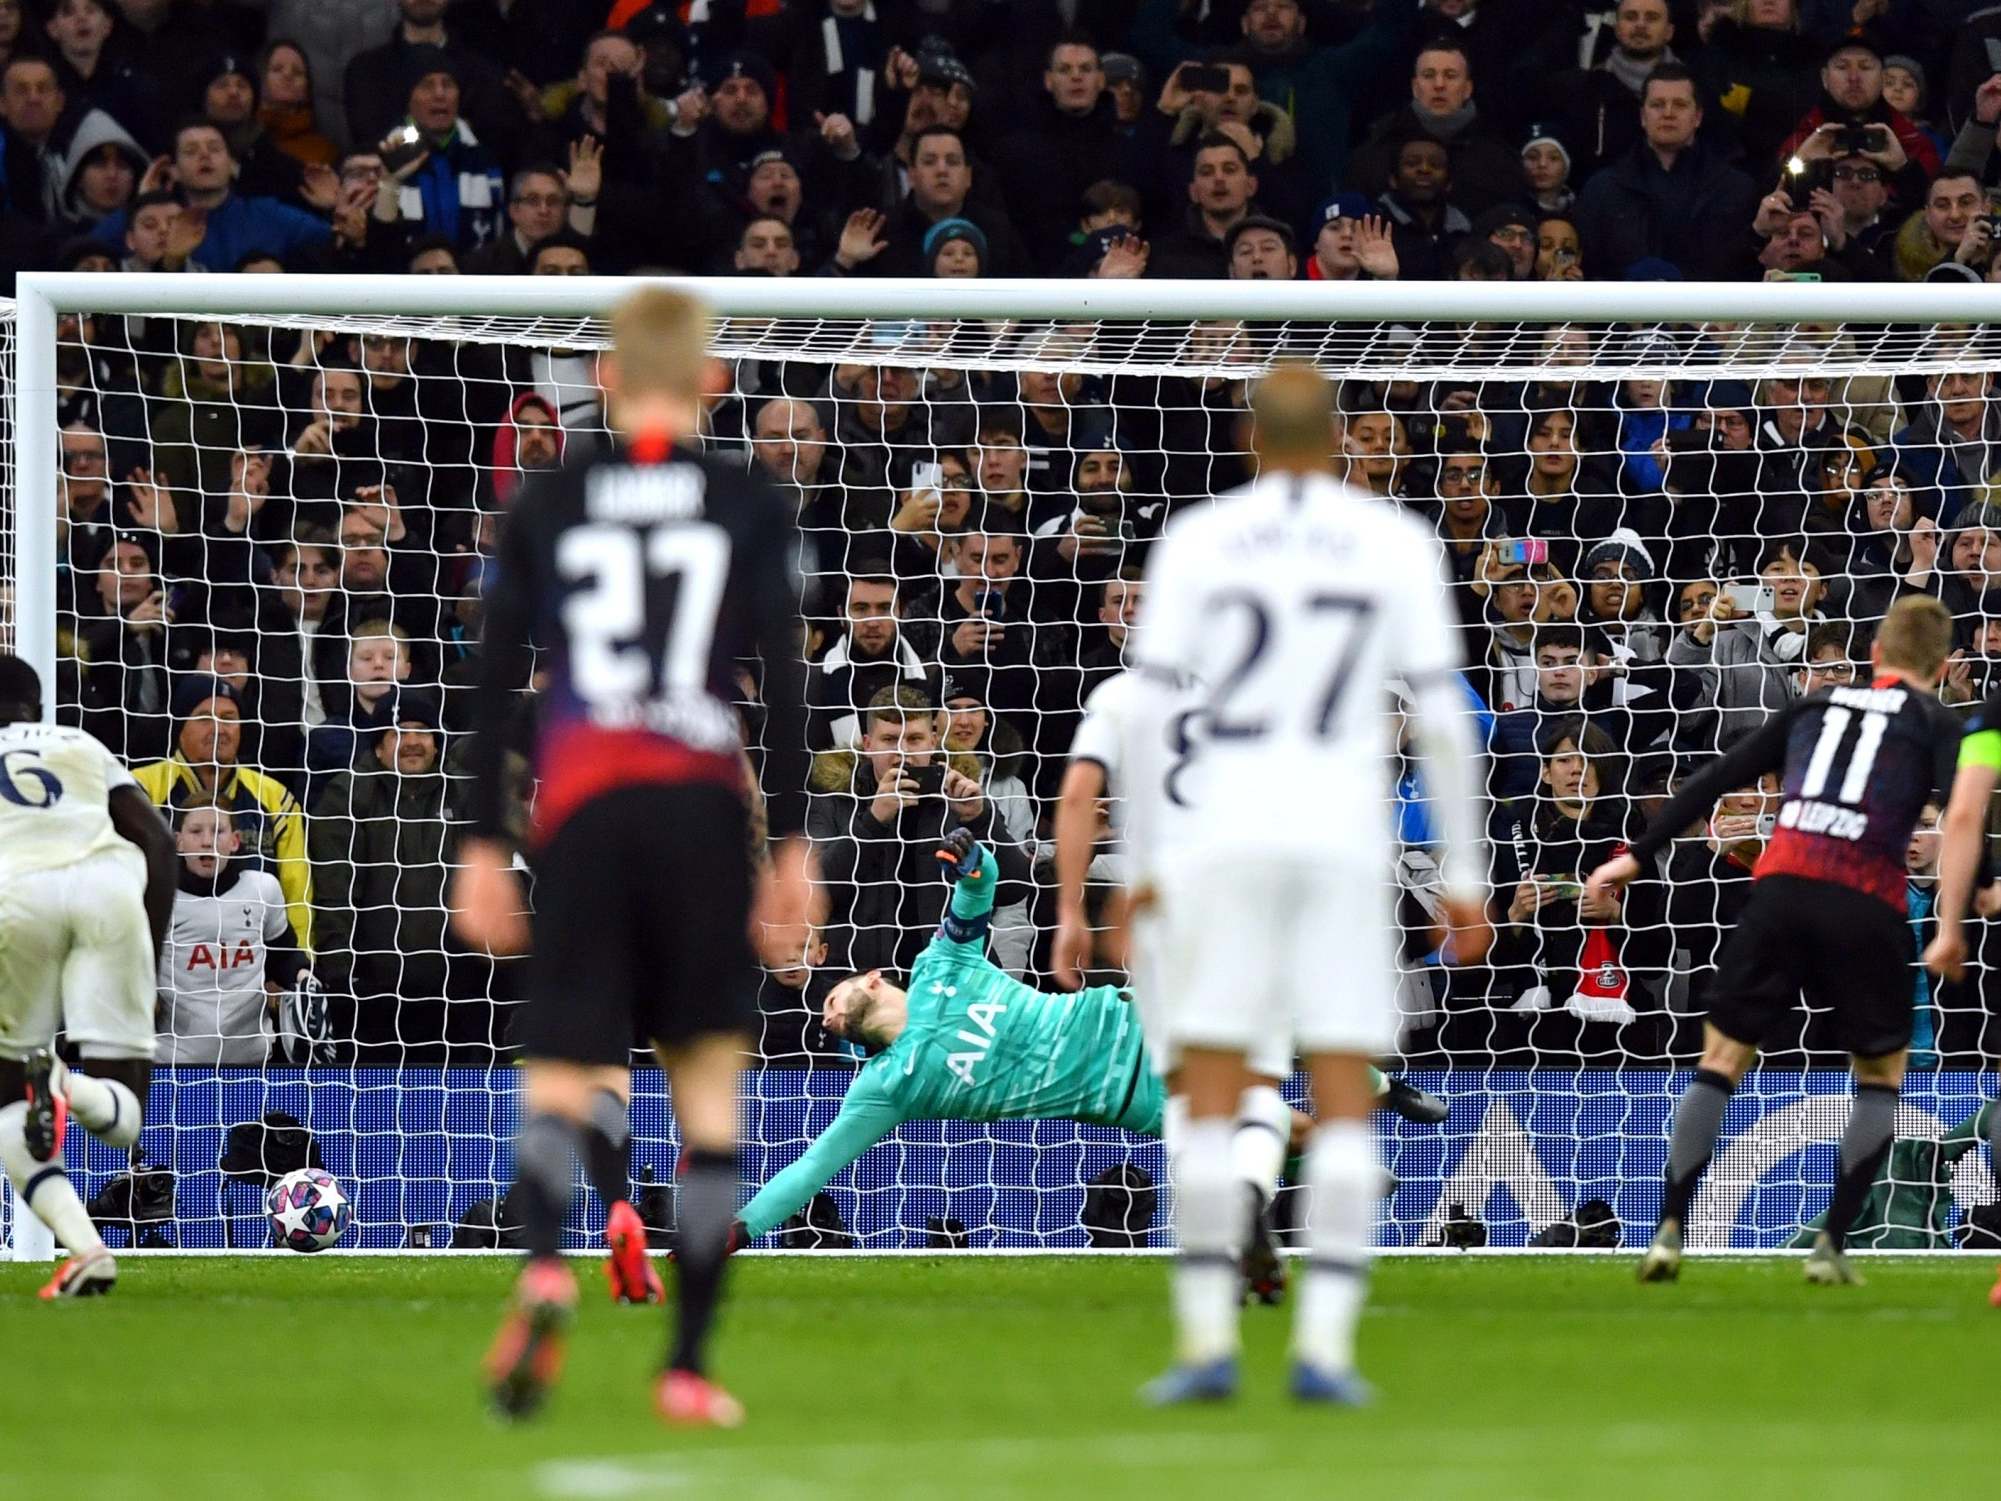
x=41, y=298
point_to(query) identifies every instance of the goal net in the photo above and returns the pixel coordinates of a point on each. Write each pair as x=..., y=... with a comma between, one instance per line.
x=1662, y=520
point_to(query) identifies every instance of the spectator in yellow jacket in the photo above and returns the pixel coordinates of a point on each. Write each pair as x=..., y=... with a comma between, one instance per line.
x=207, y=735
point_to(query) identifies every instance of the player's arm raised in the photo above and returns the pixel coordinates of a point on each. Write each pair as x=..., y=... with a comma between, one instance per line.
x=1076, y=827
x=137, y=820
x=1965, y=830
x=487, y=906
x=1442, y=732
x=783, y=903
x=1757, y=753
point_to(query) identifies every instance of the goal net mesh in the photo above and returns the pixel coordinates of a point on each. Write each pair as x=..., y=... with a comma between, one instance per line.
x=273, y=537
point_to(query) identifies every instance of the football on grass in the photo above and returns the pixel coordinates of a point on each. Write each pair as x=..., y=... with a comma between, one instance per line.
x=309, y=1212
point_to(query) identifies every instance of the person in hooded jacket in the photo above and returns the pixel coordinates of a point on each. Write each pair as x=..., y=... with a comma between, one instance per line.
x=382, y=843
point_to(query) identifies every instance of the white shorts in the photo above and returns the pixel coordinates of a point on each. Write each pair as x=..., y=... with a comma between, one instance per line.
x=76, y=952
x=1275, y=956
x=1267, y=1057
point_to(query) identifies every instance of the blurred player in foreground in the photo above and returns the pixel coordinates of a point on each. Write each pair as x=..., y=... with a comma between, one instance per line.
x=1266, y=1128
x=87, y=873
x=969, y=1042
x=1826, y=917
x=1963, y=869
x=1293, y=600
x=643, y=576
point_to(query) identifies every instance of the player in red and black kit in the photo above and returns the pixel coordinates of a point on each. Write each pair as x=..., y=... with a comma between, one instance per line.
x=642, y=577
x=1826, y=917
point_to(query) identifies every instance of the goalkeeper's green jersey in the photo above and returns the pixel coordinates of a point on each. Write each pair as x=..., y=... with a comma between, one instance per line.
x=981, y=1046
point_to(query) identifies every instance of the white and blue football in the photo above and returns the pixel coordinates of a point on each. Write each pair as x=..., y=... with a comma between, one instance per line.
x=309, y=1211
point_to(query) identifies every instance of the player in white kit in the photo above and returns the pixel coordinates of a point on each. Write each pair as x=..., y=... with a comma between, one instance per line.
x=1292, y=601
x=1268, y=1130
x=87, y=875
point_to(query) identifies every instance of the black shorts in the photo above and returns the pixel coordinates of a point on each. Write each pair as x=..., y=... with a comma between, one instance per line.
x=1841, y=950
x=642, y=900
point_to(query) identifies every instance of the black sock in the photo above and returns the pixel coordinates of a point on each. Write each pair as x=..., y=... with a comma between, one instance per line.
x=607, y=1136
x=545, y=1157
x=1698, y=1121
x=701, y=1237
x=1865, y=1142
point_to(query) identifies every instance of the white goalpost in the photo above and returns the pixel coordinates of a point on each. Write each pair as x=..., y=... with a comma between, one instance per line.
x=178, y=454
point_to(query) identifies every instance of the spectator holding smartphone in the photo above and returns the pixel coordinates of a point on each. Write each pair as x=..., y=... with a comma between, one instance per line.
x=1709, y=883
x=1558, y=948
x=877, y=818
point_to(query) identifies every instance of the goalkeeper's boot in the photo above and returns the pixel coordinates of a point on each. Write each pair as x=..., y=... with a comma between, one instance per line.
x=1329, y=1388
x=48, y=1108
x=1826, y=1266
x=1662, y=1262
x=629, y=1269
x=1212, y=1381
x=1414, y=1104
x=689, y=1400
x=1994, y=1292
x=88, y=1274
x=527, y=1355
x=1262, y=1266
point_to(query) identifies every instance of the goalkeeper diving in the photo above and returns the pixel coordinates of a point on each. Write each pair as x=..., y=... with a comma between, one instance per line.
x=969, y=1042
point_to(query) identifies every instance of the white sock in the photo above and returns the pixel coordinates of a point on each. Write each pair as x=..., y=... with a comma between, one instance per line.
x=1264, y=1128
x=1174, y=1127
x=1208, y=1207
x=43, y=1186
x=103, y=1107
x=1344, y=1174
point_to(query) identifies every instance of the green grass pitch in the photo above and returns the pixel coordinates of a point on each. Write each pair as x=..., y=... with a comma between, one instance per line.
x=971, y=1377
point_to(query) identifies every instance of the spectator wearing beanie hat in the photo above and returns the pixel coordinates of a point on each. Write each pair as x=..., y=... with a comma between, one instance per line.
x=1352, y=243
x=1905, y=90
x=1613, y=580
x=226, y=96
x=454, y=186
x=955, y=248
x=376, y=83
x=1512, y=230
x=207, y=740
x=1546, y=169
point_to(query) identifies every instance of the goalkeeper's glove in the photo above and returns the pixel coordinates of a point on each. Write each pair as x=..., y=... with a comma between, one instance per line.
x=961, y=855
x=305, y=1031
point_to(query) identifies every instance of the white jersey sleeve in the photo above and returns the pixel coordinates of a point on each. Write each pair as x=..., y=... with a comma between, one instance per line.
x=1102, y=734
x=1428, y=657
x=55, y=790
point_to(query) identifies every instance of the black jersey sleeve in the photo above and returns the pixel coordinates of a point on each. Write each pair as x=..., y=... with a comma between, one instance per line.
x=1763, y=750
x=1947, y=731
x=774, y=579
x=506, y=653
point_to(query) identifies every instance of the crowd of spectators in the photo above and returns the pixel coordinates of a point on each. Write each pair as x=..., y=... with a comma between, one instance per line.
x=273, y=542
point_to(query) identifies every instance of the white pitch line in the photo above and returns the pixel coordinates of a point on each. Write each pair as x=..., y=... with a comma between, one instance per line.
x=638, y=1475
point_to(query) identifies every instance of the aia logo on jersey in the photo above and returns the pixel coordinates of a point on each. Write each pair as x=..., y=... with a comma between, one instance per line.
x=220, y=957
